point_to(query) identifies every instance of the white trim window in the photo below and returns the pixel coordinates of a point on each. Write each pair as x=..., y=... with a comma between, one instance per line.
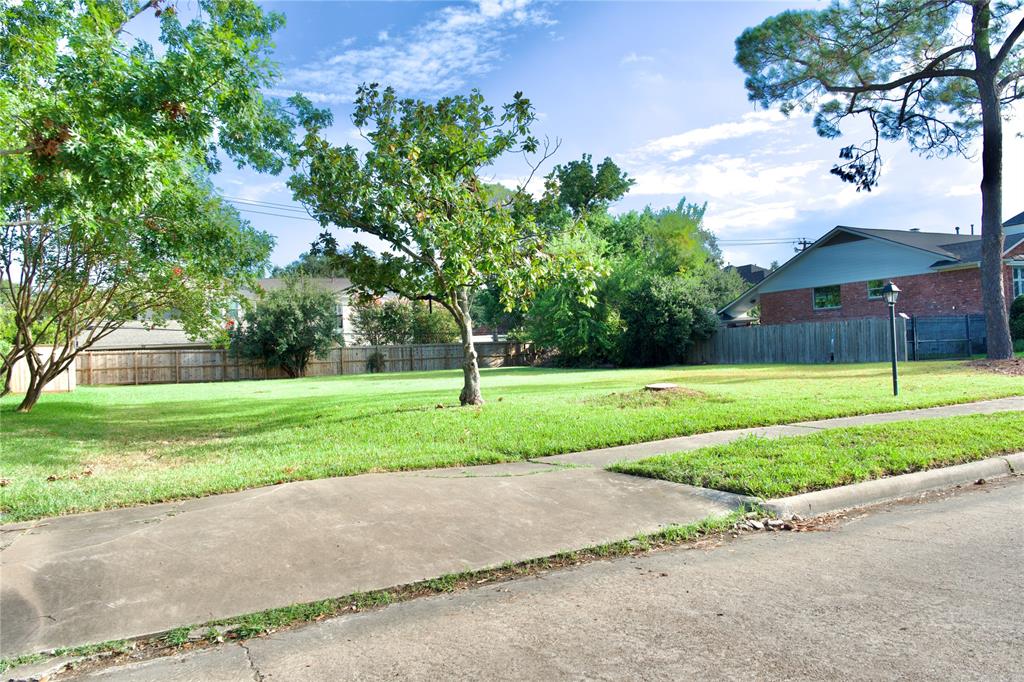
x=1018, y=280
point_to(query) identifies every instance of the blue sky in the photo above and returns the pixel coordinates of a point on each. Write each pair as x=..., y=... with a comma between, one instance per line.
x=651, y=84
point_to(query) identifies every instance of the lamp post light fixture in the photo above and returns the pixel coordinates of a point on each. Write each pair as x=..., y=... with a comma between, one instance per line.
x=891, y=292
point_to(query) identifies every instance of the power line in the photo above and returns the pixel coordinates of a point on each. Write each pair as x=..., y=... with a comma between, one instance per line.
x=268, y=204
x=277, y=215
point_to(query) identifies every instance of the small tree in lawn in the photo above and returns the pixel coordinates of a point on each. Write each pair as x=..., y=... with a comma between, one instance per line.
x=936, y=72
x=418, y=189
x=288, y=327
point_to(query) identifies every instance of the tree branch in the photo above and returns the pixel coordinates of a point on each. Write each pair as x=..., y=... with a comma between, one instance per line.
x=900, y=82
x=1007, y=46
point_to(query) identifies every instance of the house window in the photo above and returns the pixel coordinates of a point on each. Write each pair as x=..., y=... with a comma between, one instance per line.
x=826, y=297
x=1018, y=280
x=339, y=310
x=875, y=287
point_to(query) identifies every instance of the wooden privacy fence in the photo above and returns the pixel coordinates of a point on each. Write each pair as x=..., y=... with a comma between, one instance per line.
x=866, y=340
x=209, y=364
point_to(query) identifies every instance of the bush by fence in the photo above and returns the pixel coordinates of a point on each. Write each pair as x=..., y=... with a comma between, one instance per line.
x=207, y=364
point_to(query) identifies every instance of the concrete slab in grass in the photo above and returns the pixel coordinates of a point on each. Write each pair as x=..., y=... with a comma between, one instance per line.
x=123, y=573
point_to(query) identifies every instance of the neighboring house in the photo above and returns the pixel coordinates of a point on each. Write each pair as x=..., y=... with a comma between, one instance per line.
x=171, y=336
x=750, y=273
x=841, y=276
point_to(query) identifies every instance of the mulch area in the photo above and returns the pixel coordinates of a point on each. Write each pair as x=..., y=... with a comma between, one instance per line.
x=1013, y=367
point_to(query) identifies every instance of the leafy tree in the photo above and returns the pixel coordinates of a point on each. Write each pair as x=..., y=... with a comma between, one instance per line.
x=431, y=326
x=937, y=73
x=288, y=327
x=106, y=142
x=583, y=189
x=379, y=323
x=418, y=189
x=394, y=322
x=310, y=264
x=663, y=316
x=660, y=269
x=575, y=314
x=489, y=311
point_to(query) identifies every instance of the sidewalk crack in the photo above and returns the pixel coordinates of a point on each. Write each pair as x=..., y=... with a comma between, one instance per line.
x=256, y=674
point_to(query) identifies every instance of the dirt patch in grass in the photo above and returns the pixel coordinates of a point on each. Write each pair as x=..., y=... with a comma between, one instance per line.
x=644, y=398
x=1013, y=367
x=155, y=455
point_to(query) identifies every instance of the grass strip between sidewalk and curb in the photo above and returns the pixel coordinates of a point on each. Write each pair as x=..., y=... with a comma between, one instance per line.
x=263, y=622
x=780, y=467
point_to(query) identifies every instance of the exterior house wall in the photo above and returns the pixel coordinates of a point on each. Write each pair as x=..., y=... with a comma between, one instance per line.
x=950, y=292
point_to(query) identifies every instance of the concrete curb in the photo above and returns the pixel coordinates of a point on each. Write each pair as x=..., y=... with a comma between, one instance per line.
x=894, y=487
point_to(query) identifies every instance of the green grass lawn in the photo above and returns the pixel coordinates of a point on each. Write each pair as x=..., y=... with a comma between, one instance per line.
x=778, y=467
x=163, y=442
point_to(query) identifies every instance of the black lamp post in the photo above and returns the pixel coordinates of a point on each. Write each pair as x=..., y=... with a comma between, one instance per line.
x=891, y=292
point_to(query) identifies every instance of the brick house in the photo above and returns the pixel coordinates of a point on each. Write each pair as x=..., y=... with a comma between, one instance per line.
x=840, y=276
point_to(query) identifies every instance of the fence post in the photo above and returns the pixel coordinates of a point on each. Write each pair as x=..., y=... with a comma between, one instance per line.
x=177, y=366
x=913, y=321
x=967, y=324
x=135, y=367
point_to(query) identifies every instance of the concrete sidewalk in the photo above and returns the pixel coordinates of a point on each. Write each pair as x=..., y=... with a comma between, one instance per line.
x=129, y=572
x=922, y=591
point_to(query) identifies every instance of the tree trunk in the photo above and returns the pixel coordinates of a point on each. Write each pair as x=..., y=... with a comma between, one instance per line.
x=993, y=293
x=35, y=389
x=8, y=372
x=470, y=369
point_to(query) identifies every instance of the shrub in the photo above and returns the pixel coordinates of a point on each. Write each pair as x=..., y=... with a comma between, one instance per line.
x=385, y=323
x=375, y=363
x=663, y=316
x=1017, y=319
x=287, y=327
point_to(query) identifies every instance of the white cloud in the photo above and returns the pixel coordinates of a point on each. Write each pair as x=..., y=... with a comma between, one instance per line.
x=259, y=191
x=456, y=44
x=686, y=144
x=634, y=58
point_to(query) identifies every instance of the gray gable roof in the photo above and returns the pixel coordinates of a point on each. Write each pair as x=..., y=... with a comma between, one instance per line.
x=970, y=252
x=939, y=243
x=1015, y=220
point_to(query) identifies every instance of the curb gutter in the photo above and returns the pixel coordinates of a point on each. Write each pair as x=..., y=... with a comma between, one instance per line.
x=894, y=487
